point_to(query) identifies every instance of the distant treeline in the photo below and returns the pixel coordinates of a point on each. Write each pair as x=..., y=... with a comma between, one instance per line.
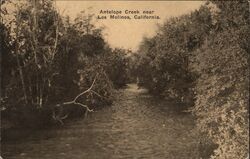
x=202, y=59
x=53, y=68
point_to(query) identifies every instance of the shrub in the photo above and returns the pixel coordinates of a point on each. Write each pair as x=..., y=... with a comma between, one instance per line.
x=222, y=94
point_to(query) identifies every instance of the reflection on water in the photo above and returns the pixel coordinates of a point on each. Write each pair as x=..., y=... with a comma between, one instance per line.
x=135, y=126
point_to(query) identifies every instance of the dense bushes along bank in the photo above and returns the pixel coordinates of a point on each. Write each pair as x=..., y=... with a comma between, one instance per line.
x=48, y=63
x=202, y=59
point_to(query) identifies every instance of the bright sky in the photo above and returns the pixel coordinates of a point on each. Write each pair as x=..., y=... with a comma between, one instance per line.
x=128, y=33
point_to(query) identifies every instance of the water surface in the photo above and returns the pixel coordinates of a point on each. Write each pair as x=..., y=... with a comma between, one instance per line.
x=135, y=126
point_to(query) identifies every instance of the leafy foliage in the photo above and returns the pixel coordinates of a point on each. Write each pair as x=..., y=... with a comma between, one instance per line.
x=204, y=56
x=49, y=60
x=222, y=95
x=117, y=66
x=222, y=88
x=166, y=56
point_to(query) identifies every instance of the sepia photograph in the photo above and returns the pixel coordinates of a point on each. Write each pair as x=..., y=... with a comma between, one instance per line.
x=124, y=79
